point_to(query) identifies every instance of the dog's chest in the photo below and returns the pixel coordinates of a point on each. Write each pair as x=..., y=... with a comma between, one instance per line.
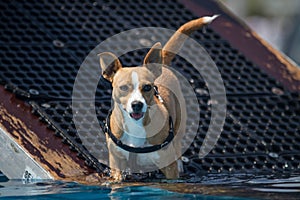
x=134, y=133
x=133, y=140
x=135, y=136
x=132, y=158
x=135, y=159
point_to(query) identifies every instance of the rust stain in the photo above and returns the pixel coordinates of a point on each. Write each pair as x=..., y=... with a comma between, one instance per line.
x=50, y=159
x=248, y=35
x=228, y=24
x=292, y=71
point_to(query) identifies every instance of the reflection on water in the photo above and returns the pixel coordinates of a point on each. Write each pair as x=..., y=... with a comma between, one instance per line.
x=57, y=190
x=50, y=190
x=213, y=187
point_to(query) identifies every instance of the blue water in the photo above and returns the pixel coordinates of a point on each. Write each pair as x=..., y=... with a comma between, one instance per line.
x=14, y=190
x=220, y=188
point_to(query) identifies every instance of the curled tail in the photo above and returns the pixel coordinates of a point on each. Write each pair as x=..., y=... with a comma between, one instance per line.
x=175, y=43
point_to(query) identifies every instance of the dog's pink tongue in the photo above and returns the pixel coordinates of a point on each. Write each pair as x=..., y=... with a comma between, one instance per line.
x=136, y=116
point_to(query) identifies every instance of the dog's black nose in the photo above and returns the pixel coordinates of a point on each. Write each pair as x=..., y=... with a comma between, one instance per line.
x=137, y=106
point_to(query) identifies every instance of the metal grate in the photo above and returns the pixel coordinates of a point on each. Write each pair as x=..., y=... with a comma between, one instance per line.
x=44, y=43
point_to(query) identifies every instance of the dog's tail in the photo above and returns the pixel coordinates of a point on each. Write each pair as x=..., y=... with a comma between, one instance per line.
x=175, y=43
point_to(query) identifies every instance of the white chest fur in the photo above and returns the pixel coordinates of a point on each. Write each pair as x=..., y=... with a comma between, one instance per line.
x=134, y=132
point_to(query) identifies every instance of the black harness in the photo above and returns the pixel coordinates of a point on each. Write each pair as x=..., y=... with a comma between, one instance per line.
x=147, y=149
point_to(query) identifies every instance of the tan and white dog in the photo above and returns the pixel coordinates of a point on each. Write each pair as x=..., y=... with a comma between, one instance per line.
x=140, y=117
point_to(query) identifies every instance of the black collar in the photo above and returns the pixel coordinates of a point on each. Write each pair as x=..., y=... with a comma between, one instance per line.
x=147, y=149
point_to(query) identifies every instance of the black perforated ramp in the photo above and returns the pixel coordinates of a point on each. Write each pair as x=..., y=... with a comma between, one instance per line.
x=43, y=44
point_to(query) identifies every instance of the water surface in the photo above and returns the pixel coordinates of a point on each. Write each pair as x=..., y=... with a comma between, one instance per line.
x=216, y=187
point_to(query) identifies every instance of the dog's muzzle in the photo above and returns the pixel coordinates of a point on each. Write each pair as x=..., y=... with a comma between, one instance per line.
x=137, y=108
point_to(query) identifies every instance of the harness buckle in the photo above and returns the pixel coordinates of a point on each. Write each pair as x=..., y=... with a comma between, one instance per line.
x=156, y=93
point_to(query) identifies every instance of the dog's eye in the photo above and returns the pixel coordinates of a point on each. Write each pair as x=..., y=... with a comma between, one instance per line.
x=147, y=88
x=124, y=88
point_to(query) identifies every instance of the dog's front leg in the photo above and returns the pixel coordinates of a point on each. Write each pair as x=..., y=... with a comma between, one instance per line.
x=165, y=156
x=171, y=171
x=115, y=165
x=117, y=161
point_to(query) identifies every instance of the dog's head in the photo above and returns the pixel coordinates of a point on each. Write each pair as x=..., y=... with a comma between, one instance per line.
x=133, y=87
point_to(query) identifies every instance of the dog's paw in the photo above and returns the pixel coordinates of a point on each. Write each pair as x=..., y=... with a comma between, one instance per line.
x=116, y=176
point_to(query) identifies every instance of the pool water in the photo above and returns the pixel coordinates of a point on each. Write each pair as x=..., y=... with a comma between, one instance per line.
x=210, y=188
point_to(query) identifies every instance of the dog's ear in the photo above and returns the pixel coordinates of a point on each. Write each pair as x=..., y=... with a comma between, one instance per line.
x=109, y=64
x=153, y=59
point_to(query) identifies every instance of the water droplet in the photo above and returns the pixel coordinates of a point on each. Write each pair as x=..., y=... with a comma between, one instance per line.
x=145, y=42
x=212, y=102
x=46, y=105
x=34, y=92
x=58, y=43
x=273, y=155
x=277, y=91
x=201, y=91
x=184, y=159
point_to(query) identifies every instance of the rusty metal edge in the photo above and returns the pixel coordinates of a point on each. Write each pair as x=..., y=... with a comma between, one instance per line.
x=38, y=141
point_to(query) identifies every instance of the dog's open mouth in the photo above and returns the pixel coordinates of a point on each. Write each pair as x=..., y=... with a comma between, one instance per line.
x=137, y=116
